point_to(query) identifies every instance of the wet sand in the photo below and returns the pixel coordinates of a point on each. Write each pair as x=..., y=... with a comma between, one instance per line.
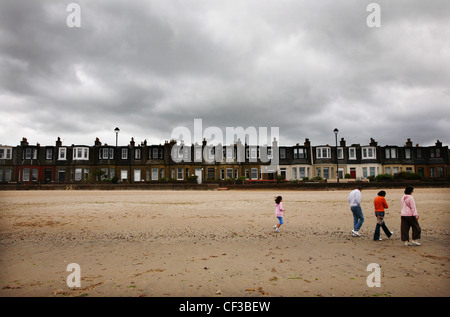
x=216, y=243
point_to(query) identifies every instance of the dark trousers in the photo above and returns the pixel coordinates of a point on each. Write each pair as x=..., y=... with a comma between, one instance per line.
x=407, y=223
x=380, y=224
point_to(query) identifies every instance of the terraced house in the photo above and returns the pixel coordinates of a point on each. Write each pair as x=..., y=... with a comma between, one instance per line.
x=137, y=163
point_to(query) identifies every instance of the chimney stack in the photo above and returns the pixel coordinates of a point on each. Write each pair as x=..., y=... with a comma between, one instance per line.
x=24, y=142
x=409, y=143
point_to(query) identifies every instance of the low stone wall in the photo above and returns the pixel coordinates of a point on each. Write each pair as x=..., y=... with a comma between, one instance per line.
x=223, y=186
x=338, y=186
x=155, y=186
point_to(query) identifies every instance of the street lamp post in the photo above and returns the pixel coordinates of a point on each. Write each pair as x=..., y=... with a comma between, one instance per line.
x=337, y=156
x=117, y=130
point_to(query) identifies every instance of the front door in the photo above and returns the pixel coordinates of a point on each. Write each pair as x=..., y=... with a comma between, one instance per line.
x=48, y=176
x=198, y=173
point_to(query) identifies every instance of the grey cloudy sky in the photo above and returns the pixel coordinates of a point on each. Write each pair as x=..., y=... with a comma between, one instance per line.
x=147, y=67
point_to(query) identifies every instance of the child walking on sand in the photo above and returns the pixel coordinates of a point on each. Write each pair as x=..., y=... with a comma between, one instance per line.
x=380, y=204
x=278, y=212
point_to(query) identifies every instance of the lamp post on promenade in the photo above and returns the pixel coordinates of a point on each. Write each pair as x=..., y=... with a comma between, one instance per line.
x=336, y=131
x=117, y=130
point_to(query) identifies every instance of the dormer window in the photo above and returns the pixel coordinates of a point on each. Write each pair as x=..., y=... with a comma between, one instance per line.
x=369, y=153
x=5, y=153
x=352, y=153
x=80, y=153
x=62, y=153
x=390, y=153
x=323, y=152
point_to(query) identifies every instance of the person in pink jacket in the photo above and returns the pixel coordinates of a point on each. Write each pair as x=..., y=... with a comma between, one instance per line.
x=409, y=218
x=278, y=212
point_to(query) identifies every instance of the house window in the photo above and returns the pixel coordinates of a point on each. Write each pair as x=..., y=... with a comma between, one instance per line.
x=28, y=153
x=323, y=152
x=124, y=154
x=104, y=173
x=179, y=173
x=371, y=171
x=34, y=174
x=162, y=173
x=211, y=173
x=78, y=174
x=253, y=153
x=283, y=153
x=301, y=172
x=106, y=153
x=211, y=153
x=407, y=153
x=368, y=153
x=123, y=175
x=294, y=172
x=299, y=153
x=247, y=173
x=283, y=173
x=352, y=153
x=341, y=173
x=137, y=175
x=2, y=153
x=198, y=154
x=80, y=153
x=326, y=173
x=62, y=153
x=254, y=173
x=154, y=174
x=229, y=173
x=186, y=173
x=137, y=154
x=393, y=153
x=7, y=175
x=229, y=151
x=340, y=153
x=302, y=153
x=48, y=154
x=26, y=175
x=364, y=170
x=432, y=172
x=419, y=153
x=390, y=153
x=440, y=172
x=318, y=171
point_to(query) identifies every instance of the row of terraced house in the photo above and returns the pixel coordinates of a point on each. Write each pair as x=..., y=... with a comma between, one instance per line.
x=143, y=162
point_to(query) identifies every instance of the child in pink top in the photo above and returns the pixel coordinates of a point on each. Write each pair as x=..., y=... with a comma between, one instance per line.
x=409, y=218
x=278, y=212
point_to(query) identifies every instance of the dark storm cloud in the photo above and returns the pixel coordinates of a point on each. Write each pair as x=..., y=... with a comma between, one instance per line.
x=150, y=66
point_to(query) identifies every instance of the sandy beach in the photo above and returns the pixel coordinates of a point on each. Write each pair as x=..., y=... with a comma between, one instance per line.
x=216, y=243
